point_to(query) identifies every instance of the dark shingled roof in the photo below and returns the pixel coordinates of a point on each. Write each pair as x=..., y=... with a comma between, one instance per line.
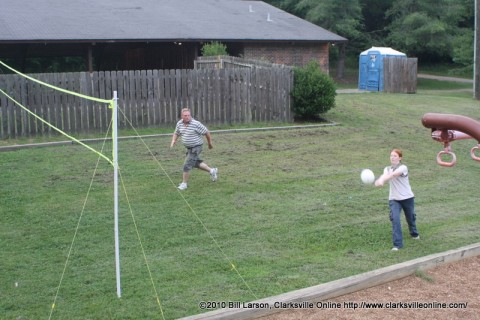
x=153, y=20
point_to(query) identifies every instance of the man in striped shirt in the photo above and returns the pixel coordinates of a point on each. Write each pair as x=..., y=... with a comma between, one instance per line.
x=192, y=132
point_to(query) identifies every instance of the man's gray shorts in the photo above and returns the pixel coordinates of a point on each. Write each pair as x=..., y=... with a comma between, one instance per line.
x=193, y=158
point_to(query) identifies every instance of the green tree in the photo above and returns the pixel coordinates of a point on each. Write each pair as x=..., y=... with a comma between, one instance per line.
x=290, y=6
x=375, y=20
x=426, y=28
x=432, y=30
x=463, y=43
x=343, y=17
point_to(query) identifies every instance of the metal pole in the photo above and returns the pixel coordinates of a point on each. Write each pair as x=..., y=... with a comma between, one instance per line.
x=115, y=190
x=476, y=49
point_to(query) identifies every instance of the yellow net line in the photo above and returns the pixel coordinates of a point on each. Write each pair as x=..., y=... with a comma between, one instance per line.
x=55, y=128
x=109, y=102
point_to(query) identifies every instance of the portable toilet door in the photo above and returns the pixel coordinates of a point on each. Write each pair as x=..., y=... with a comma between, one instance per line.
x=362, y=72
x=370, y=71
x=374, y=71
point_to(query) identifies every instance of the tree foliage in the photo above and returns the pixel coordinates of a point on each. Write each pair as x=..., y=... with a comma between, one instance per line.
x=425, y=28
x=343, y=17
x=375, y=20
x=432, y=30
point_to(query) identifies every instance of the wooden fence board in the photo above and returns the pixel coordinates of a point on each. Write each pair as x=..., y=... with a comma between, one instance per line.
x=108, y=95
x=127, y=99
x=68, y=107
x=216, y=92
x=154, y=97
x=6, y=111
x=92, y=111
x=3, y=106
x=130, y=99
x=192, y=85
x=71, y=100
x=221, y=97
x=16, y=124
x=209, y=108
x=22, y=114
x=177, y=93
x=167, y=94
x=142, y=93
x=199, y=94
x=261, y=84
x=235, y=97
x=44, y=108
x=83, y=104
x=150, y=99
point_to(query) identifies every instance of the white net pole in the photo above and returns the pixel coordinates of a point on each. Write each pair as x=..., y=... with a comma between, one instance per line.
x=115, y=190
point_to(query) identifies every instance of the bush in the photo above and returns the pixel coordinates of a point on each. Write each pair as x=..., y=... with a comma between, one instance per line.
x=313, y=92
x=214, y=48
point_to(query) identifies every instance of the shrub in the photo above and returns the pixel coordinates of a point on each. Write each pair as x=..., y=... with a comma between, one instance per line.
x=214, y=48
x=313, y=92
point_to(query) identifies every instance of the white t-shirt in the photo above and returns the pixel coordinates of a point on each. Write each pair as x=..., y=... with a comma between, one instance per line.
x=399, y=186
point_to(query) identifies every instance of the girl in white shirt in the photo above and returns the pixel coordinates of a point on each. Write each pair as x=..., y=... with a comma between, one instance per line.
x=400, y=198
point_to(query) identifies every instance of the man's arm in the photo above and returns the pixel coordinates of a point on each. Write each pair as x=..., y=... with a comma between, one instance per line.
x=174, y=140
x=209, y=139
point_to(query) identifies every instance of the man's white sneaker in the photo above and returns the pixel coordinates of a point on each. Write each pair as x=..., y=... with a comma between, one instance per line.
x=213, y=174
x=416, y=238
x=394, y=249
x=182, y=186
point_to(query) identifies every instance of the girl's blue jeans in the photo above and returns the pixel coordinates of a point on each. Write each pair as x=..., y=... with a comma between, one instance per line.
x=408, y=207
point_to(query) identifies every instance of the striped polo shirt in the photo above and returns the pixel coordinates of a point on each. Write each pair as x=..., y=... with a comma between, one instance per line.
x=192, y=133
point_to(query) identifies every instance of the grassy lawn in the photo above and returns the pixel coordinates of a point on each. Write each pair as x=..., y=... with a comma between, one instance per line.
x=289, y=211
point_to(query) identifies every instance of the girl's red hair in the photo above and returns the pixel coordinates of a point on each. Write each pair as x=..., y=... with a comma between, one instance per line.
x=399, y=152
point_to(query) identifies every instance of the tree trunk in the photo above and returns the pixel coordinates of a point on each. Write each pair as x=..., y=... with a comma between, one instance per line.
x=341, y=60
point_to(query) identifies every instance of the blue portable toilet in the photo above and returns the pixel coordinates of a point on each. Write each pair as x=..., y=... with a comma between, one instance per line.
x=370, y=72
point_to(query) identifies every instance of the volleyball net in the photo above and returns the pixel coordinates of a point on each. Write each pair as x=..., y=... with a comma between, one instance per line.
x=60, y=110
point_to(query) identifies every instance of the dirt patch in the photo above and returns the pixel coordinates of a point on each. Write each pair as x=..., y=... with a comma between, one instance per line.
x=450, y=291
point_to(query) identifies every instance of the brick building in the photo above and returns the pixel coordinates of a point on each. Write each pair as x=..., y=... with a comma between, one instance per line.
x=288, y=53
x=156, y=34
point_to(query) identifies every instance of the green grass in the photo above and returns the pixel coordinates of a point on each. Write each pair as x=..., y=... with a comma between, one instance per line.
x=446, y=70
x=429, y=84
x=289, y=211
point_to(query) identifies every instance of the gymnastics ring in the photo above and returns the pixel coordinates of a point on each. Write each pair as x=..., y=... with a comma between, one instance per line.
x=445, y=163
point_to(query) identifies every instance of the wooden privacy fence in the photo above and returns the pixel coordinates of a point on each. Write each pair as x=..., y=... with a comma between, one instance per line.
x=400, y=75
x=150, y=98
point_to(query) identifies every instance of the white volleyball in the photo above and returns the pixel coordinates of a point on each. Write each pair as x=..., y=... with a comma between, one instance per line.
x=367, y=176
